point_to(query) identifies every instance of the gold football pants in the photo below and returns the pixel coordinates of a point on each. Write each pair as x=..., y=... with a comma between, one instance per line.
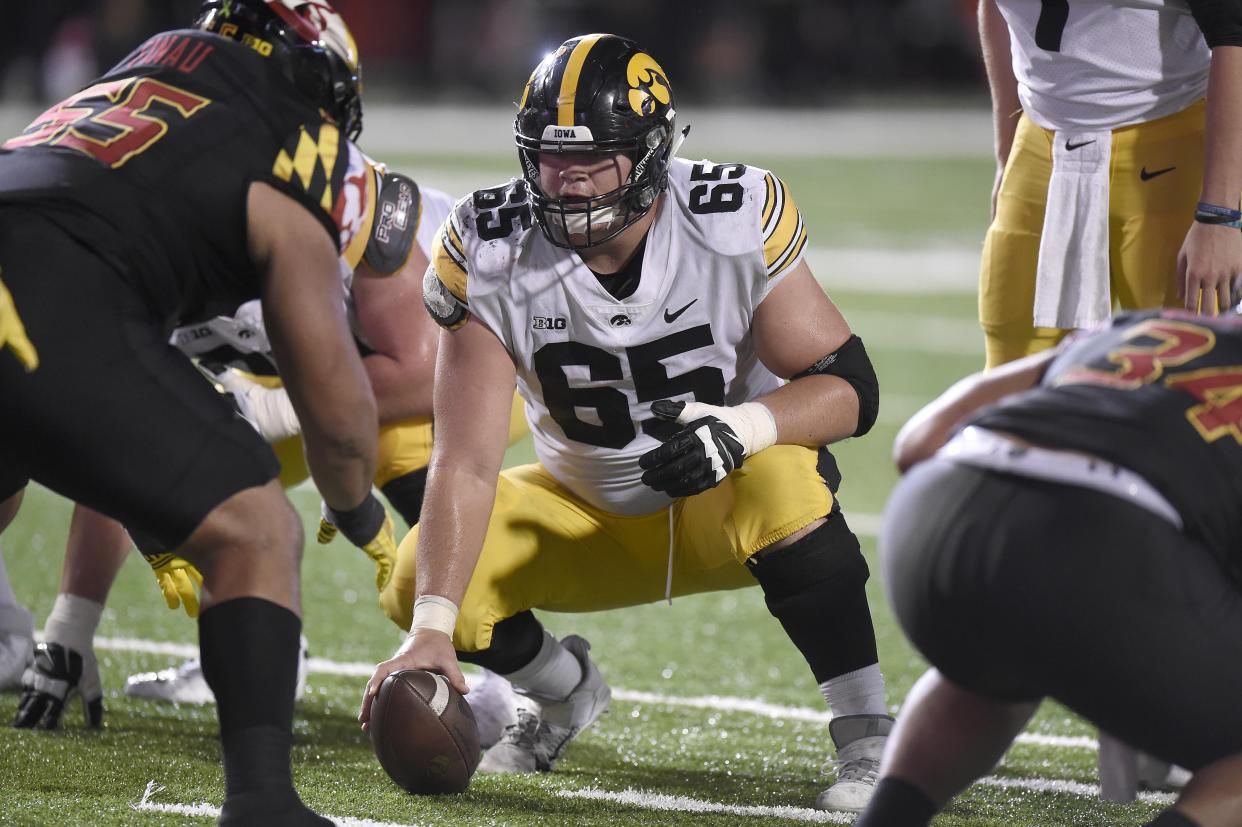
x=1155, y=176
x=404, y=447
x=546, y=549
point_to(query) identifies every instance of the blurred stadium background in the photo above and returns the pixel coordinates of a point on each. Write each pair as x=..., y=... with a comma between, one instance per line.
x=799, y=53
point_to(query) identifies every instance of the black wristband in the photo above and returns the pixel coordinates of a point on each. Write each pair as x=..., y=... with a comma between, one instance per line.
x=361, y=523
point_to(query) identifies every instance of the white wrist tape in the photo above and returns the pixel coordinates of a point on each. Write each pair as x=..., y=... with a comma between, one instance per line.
x=431, y=611
x=751, y=421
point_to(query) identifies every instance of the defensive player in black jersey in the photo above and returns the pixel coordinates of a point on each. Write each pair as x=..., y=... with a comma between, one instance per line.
x=206, y=169
x=1080, y=539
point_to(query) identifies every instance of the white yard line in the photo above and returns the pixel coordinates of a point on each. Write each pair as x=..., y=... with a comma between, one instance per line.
x=639, y=798
x=1056, y=785
x=715, y=703
x=680, y=803
x=205, y=810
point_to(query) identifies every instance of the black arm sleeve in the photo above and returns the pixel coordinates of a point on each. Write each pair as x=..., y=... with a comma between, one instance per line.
x=851, y=363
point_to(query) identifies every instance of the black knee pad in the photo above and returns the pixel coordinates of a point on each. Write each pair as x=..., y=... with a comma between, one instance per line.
x=816, y=588
x=828, y=556
x=405, y=494
x=515, y=642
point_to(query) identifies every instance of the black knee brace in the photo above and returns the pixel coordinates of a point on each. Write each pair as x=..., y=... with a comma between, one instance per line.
x=816, y=588
x=515, y=642
x=405, y=494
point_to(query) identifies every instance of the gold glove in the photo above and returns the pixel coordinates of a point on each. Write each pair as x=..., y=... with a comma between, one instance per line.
x=178, y=580
x=370, y=528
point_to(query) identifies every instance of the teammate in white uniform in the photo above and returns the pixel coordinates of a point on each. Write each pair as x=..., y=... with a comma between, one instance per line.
x=1105, y=144
x=385, y=245
x=650, y=321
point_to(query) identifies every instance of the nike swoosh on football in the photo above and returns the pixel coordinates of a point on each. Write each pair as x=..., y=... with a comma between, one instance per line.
x=1147, y=176
x=1072, y=147
x=672, y=317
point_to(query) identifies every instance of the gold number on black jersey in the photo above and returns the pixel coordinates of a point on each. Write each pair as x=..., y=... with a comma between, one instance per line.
x=1151, y=346
x=110, y=121
x=1220, y=391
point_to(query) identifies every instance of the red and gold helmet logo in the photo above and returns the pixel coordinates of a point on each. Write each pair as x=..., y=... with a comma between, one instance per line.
x=648, y=84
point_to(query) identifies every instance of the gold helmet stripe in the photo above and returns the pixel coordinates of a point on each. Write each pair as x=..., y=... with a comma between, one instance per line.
x=569, y=80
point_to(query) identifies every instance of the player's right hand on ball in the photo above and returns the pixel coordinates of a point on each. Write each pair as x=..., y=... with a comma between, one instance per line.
x=177, y=579
x=422, y=649
x=58, y=674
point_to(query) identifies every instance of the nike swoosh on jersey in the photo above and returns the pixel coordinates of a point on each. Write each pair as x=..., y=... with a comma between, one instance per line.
x=1147, y=176
x=672, y=317
x=1072, y=147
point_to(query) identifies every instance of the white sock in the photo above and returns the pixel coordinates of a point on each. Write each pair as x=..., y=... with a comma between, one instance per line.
x=860, y=692
x=553, y=673
x=73, y=622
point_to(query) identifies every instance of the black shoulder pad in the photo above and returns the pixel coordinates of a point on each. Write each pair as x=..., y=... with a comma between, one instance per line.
x=396, y=224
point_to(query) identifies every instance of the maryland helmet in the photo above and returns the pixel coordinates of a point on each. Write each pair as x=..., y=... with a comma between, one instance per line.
x=597, y=93
x=311, y=41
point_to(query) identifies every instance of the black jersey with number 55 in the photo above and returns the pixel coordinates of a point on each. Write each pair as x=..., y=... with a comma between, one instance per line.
x=150, y=165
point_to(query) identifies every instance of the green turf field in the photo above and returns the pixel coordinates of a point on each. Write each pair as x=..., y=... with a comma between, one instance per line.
x=715, y=718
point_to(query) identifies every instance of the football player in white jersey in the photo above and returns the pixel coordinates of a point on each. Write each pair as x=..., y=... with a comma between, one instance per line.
x=383, y=260
x=682, y=371
x=1119, y=163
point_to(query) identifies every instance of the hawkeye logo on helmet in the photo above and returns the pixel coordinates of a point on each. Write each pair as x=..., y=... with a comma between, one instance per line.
x=648, y=84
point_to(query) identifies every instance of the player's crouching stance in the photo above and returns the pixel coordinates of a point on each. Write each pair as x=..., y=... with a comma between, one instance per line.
x=649, y=322
x=1062, y=519
x=110, y=235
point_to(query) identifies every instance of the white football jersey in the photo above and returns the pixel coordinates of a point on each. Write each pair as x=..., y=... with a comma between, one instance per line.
x=241, y=340
x=1105, y=64
x=589, y=365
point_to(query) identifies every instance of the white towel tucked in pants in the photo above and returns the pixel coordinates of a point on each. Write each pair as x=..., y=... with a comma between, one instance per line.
x=1071, y=282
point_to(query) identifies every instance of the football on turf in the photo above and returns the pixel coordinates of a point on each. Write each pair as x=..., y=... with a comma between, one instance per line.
x=423, y=732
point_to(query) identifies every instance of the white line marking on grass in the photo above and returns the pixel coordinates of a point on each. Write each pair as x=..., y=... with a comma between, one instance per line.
x=659, y=801
x=205, y=810
x=1057, y=785
x=717, y=703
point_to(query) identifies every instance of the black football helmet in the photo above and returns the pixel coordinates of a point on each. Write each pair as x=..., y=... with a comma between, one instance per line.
x=597, y=93
x=311, y=41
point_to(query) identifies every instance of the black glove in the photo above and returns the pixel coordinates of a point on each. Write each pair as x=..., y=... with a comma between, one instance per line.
x=695, y=458
x=57, y=674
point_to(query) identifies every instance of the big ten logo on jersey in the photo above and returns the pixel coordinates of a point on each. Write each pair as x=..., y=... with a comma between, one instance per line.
x=501, y=210
x=548, y=323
